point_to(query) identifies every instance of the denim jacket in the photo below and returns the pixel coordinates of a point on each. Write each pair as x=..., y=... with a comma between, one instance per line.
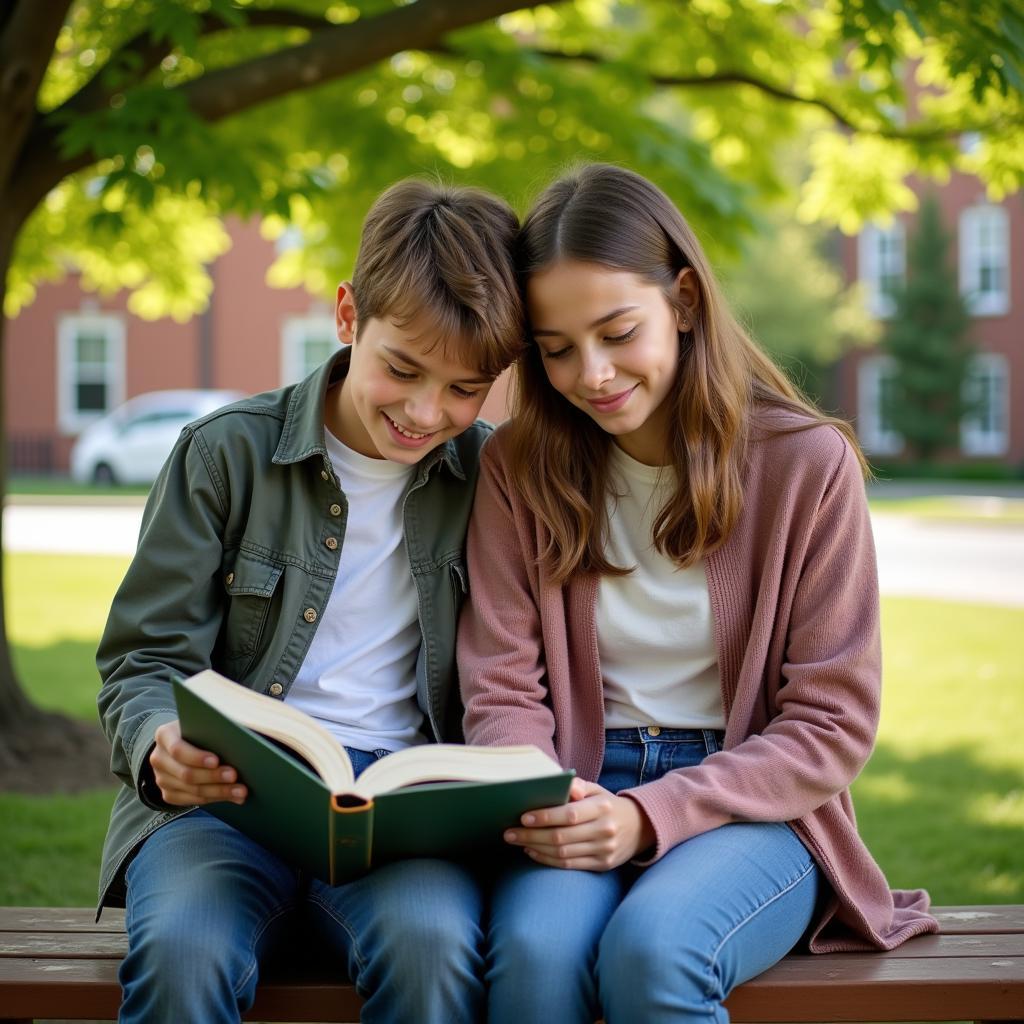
x=240, y=545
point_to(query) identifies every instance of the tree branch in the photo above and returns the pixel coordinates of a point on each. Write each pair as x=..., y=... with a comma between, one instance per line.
x=331, y=53
x=147, y=53
x=334, y=52
x=29, y=32
x=922, y=134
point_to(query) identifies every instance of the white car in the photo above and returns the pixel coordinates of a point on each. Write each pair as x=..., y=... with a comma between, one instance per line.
x=130, y=444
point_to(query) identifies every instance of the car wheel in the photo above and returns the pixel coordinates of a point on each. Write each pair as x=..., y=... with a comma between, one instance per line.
x=103, y=474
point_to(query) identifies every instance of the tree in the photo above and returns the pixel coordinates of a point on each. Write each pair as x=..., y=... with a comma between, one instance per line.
x=928, y=340
x=131, y=126
x=789, y=291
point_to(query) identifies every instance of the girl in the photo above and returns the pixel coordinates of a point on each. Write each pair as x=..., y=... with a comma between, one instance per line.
x=674, y=593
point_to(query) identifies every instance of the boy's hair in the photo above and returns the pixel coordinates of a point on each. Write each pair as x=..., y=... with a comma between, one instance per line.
x=444, y=253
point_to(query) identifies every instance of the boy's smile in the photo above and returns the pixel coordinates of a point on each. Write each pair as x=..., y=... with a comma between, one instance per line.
x=406, y=391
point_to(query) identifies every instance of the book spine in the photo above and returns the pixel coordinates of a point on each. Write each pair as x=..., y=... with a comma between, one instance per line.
x=351, y=839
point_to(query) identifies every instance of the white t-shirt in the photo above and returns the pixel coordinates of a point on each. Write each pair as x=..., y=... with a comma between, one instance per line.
x=655, y=632
x=359, y=675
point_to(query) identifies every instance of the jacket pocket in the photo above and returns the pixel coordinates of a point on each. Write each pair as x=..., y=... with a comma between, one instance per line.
x=460, y=581
x=250, y=585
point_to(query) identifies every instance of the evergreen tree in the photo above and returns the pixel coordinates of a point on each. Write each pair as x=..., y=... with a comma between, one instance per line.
x=928, y=340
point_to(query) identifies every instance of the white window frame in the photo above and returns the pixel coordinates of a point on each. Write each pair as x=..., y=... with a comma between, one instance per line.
x=871, y=430
x=985, y=243
x=874, y=262
x=70, y=418
x=969, y=142
x=991, y=372
x=297, y=331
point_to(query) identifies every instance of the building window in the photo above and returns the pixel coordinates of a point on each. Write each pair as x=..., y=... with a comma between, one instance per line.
x=985, y=429
x=876, y=378
x=90, y=368
x=881, y=265
x=306, y=342
x=985, y=260
x=970, y=142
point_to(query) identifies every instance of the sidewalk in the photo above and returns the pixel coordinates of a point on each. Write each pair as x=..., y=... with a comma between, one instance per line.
x=950, y=560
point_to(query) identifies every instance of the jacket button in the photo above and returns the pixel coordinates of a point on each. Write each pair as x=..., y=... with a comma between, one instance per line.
x=654, y=730
x=276, y=689
x=229, y=579
x=335, y=510
x=309, y=615
x=332, y=543
x=324, y=475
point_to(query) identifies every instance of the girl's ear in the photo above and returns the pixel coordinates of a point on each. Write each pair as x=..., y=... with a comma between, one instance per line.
x=688, y=291
x=345, y=317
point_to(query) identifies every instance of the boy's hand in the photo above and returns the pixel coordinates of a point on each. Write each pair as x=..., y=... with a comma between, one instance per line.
x=187, y=775
x=595, y=831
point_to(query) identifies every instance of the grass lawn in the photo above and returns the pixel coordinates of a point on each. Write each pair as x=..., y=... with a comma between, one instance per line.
x=941, y=803
x=61, y=486
x=955, y=508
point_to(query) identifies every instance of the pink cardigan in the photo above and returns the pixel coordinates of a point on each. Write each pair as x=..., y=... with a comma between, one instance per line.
x=794, y=596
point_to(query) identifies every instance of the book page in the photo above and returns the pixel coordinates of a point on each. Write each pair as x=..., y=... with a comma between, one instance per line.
x=277, y=721
x=452, y=762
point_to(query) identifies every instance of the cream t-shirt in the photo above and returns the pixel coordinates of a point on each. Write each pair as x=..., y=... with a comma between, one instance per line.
x=359, y=675
x=654, y=627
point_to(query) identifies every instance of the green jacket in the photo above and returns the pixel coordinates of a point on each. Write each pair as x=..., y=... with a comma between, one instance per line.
x=234, y=568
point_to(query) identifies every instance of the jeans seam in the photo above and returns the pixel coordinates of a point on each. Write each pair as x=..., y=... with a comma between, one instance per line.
x=642, y=774
x=283, y=909
x=712, y=963
x=349, y=931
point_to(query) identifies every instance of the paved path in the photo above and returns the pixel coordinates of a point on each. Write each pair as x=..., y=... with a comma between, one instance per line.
x=72, y=529
x=981, y=563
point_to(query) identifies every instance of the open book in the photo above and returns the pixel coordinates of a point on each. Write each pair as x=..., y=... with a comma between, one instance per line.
x=305, y=803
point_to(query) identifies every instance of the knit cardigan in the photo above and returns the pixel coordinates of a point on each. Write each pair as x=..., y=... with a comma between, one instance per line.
x=794, y=597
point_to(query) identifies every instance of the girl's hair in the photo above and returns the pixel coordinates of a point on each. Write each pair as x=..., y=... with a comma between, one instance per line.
x=725, y=383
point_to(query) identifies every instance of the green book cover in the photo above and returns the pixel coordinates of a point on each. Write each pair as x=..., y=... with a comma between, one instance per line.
x=338, y=835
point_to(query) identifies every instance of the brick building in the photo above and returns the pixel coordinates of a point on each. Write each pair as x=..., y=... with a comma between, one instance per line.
x=71, y=355
x=988, y=244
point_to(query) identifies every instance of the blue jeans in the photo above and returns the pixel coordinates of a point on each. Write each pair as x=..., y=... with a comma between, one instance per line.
x=207, y=905
x=659, y=944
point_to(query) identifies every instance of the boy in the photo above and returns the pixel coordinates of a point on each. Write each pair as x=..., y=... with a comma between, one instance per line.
x=308, y=543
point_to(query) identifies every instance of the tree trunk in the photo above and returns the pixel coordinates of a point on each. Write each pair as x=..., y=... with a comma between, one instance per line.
x=40, y=751
x=15, y=708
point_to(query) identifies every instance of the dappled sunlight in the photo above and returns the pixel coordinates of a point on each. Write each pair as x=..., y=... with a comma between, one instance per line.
x=947, y=820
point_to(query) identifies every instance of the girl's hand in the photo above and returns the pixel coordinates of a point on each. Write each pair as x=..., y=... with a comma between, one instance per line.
x=595, y=831
x=187, y=775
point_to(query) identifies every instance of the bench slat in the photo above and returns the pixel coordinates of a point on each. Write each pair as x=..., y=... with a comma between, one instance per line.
x=58, y=962
x=59, y=919
x=851, y=987
x=65, y=945
x=108, y=945
x=79, y=989
x=980, y=920
x=972, y=920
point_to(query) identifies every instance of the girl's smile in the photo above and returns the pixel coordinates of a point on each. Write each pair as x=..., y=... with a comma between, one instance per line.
x=610, y=344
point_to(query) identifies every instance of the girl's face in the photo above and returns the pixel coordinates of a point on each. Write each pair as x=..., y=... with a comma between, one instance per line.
x=610, y=344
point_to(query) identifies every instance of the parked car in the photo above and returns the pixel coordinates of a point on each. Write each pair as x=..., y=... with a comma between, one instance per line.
x=131, y=443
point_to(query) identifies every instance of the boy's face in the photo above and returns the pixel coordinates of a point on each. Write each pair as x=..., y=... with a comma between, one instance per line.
x=403, y=395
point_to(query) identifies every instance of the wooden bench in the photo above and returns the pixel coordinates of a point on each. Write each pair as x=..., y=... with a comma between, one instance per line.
x=57, y=963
